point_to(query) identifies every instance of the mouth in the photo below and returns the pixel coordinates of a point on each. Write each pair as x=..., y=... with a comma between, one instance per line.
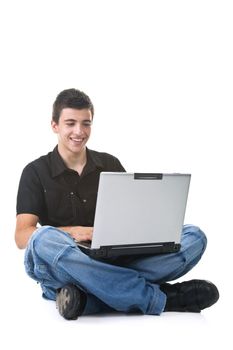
x=77, y=140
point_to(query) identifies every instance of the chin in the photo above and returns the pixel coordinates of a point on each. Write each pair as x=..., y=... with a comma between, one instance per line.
x=77, y=149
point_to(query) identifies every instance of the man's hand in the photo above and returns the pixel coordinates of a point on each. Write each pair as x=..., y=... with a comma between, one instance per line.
x=79, y=233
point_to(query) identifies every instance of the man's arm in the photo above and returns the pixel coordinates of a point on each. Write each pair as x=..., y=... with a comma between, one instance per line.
x=26, y=224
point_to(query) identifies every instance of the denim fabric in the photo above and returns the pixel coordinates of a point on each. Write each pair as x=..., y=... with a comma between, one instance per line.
x=128, y=284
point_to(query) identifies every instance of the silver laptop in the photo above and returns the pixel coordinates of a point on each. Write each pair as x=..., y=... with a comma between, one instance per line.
x=138, y=213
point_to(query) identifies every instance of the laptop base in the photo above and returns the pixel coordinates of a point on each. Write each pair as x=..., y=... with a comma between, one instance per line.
x=105, y=252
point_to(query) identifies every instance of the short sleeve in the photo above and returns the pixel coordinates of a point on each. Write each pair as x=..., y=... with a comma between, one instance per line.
x=118, y=166
x=30, y=197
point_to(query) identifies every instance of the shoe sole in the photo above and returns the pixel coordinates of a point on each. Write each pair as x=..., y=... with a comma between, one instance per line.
x=68, y=301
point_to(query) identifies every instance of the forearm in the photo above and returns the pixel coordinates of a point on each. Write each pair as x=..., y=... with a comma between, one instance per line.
x=24, y=231
x=22, y=236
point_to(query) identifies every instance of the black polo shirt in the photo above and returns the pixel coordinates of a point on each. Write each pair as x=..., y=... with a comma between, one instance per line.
x=57, y=194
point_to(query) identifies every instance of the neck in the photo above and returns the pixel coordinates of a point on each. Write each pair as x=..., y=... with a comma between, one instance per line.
x=75, y=161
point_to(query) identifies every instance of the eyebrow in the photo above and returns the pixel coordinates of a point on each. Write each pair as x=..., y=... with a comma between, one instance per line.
x=74, y=120
x=70, y=120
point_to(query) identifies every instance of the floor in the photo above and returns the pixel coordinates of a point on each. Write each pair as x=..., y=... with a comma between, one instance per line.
x=34, y=323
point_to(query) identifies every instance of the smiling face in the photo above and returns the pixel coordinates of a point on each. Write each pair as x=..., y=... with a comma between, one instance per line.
x=73, y=130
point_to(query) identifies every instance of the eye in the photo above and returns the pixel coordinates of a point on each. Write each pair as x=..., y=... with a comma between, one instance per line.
x=87, y=123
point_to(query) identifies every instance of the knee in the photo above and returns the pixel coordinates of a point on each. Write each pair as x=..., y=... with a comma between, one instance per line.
x=47, y=237
x=42, y=234
x=197, y=235
x=202, y=237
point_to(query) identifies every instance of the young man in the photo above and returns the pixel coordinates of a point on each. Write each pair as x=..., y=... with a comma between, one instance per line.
x=59, y=192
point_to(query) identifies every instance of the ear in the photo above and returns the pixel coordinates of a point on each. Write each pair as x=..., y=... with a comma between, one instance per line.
x=54, y=126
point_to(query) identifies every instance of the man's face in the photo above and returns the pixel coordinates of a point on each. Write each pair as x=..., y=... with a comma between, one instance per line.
x=73, y=129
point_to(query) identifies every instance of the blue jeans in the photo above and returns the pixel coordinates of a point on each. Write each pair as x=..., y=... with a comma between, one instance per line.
x=129, y=284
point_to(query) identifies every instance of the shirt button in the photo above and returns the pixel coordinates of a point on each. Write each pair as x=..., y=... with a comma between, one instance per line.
x=84, y=200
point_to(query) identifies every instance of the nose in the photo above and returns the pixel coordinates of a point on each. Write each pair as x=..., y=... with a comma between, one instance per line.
x=78, y=129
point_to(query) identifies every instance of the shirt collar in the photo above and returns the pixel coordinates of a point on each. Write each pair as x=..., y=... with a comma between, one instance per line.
x=58, y=166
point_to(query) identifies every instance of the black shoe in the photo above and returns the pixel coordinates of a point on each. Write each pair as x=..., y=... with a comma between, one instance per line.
x=191, y=296
x=70, y=302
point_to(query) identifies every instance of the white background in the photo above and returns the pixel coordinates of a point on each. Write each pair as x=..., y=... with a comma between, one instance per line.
x=160, y=75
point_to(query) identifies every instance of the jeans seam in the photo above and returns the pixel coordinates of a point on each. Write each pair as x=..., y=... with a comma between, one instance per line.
x=61, y=252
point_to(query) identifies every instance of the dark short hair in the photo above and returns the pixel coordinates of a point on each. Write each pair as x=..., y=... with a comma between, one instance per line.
x=71, y=98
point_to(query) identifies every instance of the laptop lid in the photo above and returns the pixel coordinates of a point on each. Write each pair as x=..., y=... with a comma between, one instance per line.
x=135, y=209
